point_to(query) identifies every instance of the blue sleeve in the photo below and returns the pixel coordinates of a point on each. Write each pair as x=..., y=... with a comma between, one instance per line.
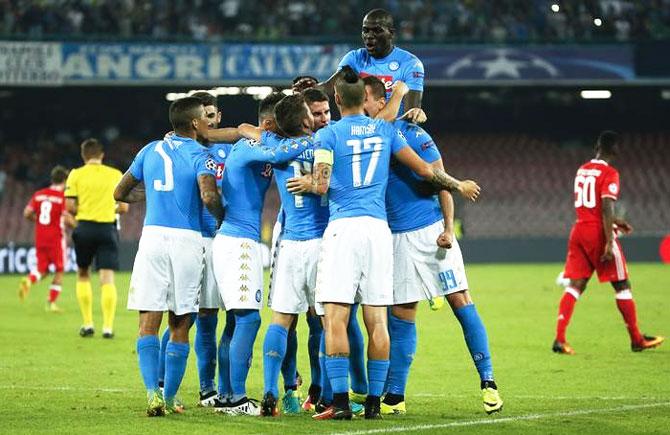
x=422, y=143
x=324, y=139
x=398, y=140
x=274, y=149
x=137, y=166
x=349, y=59
x=204, y=163
x=413, y=75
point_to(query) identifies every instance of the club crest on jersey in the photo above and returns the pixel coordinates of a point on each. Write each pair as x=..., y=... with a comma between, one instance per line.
x=613, y=188
x=221, y=154
x=393, y=66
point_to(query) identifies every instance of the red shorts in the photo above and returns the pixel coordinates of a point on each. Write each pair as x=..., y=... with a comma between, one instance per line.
x=47, y=255
x=585, y=247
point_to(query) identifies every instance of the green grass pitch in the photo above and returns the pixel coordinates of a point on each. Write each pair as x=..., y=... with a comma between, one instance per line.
x=54, y=381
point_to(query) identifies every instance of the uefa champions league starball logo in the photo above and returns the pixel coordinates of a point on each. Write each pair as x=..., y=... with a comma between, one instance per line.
x=502, y=64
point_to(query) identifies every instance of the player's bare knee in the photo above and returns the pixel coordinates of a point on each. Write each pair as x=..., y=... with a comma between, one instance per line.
x=286, y=321
x=83, y=274
x=405, y=311
x=106, y=276
x=150, y=322
x=621, y=285
x=579, y=284
x=459, y=299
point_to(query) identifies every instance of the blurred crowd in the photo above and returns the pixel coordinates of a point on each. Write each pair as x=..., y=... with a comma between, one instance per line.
x=416, y=20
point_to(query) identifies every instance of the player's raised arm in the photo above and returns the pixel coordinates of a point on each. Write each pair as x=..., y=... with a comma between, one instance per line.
x=210, y=196
x=390, y=111
x=467, y=188
x=250, y=131
x=225, y=134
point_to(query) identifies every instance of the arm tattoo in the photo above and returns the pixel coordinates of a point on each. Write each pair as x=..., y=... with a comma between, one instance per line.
x=444, y=180
x=137, y=194
x=321, y=178
x=210, y=196
x=124, y=190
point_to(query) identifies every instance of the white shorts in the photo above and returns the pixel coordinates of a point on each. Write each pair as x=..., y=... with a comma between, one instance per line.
x=356, y=262
x=168, y=271
x=294, y=276
x=422, y=270
x=209, y=295
x=238, y=268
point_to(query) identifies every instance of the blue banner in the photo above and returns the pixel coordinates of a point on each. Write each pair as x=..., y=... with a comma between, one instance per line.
x=49, y=64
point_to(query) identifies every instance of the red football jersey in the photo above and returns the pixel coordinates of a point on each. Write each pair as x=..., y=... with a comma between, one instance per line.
x=48, y=205
x=595, y=180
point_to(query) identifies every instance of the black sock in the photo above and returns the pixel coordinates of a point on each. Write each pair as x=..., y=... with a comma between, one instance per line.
x=341, y=400
x=488, y=384
x=393, y=399
x=314, y=392
x=290, y=387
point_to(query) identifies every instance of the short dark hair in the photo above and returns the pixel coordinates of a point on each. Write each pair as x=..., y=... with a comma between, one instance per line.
x=59, y=174
x=380, y=15
x=313, y=95
x=607, y=142
x=289, y=114
x=91, y=148
x=183, y=111
x=350, y=88
x=377, y=86
x=297, y=79
x=267, y=105
x=206, y=98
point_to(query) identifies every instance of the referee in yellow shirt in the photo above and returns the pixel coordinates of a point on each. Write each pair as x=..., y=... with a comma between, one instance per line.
x=89, y=197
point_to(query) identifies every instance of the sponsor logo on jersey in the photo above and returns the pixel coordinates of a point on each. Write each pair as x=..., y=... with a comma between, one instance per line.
x=393, y=66
x=219, y=170
x=387, y=80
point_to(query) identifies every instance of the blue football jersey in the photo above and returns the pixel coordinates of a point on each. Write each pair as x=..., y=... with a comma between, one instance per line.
x=408, y=206
x=246, y=178
x=362, y=149
x=219, y=152
x=398, y=65
x=169, y=170
x=304, y=217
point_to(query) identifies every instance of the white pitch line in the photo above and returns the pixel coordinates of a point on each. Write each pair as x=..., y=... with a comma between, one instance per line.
x=535, y=397
x=482, y=421
x=65, y=388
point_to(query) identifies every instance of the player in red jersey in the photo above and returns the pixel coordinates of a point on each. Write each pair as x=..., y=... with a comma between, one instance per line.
x=593, y=245
x=47, y=209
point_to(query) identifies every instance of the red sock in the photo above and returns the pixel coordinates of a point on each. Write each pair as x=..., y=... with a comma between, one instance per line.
x=565, y=309
x=626, y=305
x=33, y=277
x=54, y=292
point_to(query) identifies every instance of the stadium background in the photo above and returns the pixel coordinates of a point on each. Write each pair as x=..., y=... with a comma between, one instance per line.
x=504, y=84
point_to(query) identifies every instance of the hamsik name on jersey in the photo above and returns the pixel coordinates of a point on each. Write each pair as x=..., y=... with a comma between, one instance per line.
x=169, y=170
x=304, y=216
x=246, y=179
x=361, y=148
x=410, y=207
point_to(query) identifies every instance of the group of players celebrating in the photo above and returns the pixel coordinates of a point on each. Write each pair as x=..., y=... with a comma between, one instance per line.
x=366, y=219
x=342, y=239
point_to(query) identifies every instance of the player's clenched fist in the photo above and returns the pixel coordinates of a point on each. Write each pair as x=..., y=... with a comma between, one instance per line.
x=445, y=239
x=469, y=189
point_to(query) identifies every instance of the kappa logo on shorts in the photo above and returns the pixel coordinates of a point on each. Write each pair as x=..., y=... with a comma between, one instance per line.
x=243, y=298
x=244, y=277
x=245, y=256
x=245, y=245
x=245, y=266
x=258, y=295
x=244, y=288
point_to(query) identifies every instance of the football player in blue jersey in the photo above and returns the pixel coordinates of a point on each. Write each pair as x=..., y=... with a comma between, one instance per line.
x=428, y=264
x=380, y=58
x=237, y=251
x=179, y=176
x=356, y=260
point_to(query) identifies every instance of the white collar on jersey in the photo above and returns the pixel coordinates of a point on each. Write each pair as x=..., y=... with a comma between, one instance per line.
x=602, y=162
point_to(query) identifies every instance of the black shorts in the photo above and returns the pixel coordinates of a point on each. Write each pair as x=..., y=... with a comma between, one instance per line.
x=96, y=240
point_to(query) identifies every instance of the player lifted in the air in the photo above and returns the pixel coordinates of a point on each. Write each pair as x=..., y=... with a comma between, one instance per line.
x=593, y=245
x=179, y=176
x=428, y=264
x=380, y=58
x=47, y=209
x=356, y=260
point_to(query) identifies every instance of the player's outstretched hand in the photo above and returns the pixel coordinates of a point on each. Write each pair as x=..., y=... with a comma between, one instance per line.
x=302, y=83
x=445, y=239
x=299, y=185
x=469, y=189
x=415, y=115
x=608, y=255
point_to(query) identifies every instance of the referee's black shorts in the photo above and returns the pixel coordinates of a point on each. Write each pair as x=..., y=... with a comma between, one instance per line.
x=96, y=240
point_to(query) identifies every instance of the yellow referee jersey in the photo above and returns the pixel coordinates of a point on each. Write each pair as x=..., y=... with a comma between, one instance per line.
x=93, y=185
